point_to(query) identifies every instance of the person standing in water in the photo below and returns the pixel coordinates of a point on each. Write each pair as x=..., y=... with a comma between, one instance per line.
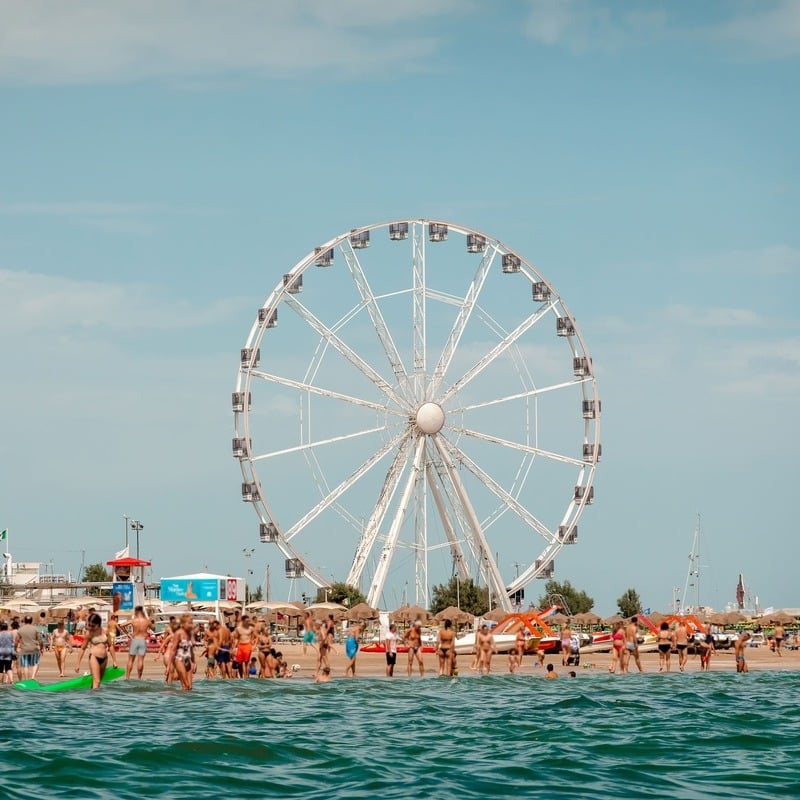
x=139, y=627
x=308, y=631
x=566, y=643
x=351, y=649
x=413, y=638
x=665, y=641
x=391, y=649
x=631, y=645
x=682, y=644
x=484, y=642
x=181, y=652
x=444, y=648
x=96, y=641
x=59, y=641
x=738, y=650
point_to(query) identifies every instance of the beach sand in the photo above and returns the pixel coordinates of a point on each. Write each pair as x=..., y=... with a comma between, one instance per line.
x=374, y=664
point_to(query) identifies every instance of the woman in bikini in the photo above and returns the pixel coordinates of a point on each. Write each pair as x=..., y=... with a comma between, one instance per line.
x=181, y=651
x=665, y=641
x=96, y=640
x=60, y=638
x=112, y=629
x=566, y=644
x=617, y=643
x=444, y=648
x=520, y=644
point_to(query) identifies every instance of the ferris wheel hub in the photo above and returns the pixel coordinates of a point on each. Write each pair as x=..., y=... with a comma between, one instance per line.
x=430, y=418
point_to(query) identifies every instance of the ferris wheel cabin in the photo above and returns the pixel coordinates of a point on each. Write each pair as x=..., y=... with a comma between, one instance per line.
x=268, y=532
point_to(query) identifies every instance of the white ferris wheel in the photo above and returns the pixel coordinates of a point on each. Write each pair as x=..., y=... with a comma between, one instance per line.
x=414, y=401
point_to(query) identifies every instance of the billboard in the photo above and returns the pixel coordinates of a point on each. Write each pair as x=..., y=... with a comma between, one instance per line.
x=192, y=590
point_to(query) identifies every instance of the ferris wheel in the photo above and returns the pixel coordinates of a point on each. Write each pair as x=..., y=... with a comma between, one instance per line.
x=414, y=401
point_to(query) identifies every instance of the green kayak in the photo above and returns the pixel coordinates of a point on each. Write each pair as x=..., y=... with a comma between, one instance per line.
x=81, y=682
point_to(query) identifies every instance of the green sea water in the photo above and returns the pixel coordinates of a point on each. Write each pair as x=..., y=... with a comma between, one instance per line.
x=718, y=735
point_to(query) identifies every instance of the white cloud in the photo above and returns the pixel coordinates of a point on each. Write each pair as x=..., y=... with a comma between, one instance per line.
x=778, y=259
x=771, y=30
x=32, y=301
x=48, y=41
x=699, y=317
x=586, y=25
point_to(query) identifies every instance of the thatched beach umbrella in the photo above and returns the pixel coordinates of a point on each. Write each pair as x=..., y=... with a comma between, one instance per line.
x=337, y=610
x=495, y=615
x=558, y=619
x=273, y=606
x=613, y=619
x=657, y=617
x=777, y=618
x=587, y=618
x=455, y=615
x=409, y=614
x=362, y=611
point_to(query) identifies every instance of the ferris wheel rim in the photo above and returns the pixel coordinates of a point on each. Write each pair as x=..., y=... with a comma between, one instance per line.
x=400, y=395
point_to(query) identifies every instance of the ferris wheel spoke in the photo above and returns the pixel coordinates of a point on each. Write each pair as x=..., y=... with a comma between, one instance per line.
x=494, y=578
x=338, y=491
x=521, y=395
x=322, y=442
x=318, y=390
x=498, y=491
x=495, y=352
x=536, y=568
x=463, y=317
x=369, y=301
x=345, y=350
x=388, y=550
x=418, y=310
x=370, y=533
x=522, y=448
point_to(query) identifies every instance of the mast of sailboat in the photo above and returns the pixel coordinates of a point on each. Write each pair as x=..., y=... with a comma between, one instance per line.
x=693, y=574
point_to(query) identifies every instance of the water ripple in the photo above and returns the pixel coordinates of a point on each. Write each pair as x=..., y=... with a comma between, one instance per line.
x=686, y=736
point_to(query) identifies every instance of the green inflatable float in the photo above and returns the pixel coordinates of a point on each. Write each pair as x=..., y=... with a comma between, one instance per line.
x=81, y=682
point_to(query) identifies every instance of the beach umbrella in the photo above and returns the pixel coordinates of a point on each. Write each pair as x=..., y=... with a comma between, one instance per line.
x=657, y=617
x=20, y=606
x=224, y=605
x=777, y=618
x=454, y=614
x=274, y=605
x=495, y=615
x=587, y=618
x=362, y=611
x=409, y=614
x=336, y=609
x=558, y=619
x=613, y=619
x=720, y=618
x=734, y=618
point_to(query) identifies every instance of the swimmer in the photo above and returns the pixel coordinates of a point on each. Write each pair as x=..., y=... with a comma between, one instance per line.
x=550, y=672
x=665, y=642
x=445, y=647
x=96, y=640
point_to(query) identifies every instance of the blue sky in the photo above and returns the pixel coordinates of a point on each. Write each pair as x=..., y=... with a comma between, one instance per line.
x=162, y=165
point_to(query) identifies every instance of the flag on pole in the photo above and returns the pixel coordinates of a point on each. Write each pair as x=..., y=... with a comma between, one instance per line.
x=3, y=535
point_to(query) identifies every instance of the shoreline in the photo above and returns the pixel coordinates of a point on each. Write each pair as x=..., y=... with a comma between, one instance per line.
x=371, y=665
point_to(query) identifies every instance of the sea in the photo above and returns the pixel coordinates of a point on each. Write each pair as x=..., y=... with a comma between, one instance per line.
x=716, y=735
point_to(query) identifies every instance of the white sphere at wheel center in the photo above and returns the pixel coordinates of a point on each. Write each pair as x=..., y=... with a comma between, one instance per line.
x=430, y=418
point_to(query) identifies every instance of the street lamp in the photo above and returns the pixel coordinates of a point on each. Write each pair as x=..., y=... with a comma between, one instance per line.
x=126, y=518
x=248, y=553
x=138, y=527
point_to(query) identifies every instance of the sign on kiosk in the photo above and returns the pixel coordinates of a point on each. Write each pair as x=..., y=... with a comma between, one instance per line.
x=201, y=588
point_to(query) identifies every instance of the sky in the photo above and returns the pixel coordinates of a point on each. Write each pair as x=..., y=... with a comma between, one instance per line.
x=163, y=164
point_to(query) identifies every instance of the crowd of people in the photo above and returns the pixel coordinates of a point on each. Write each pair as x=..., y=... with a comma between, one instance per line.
x=244, y=647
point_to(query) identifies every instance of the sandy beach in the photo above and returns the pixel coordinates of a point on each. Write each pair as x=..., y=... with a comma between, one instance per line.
x=371, y=665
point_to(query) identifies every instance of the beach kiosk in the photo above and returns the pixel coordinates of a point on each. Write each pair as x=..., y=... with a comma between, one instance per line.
x=202, y=588
x=127, y=583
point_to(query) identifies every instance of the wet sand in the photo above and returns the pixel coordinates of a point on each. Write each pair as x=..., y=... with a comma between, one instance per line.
x=374, y=664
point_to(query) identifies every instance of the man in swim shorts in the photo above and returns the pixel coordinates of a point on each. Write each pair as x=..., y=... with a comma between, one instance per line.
x=631, y=645
x=308, y=631
x=224, y=650
x=779, y=635
x=391, y=649
x=29, y=648
x=243, y=646
x=682, y=644
x=139, y=630
x=738, y=649
x=413, y=638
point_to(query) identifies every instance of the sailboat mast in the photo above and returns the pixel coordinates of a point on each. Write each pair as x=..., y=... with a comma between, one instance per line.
x=693, y=574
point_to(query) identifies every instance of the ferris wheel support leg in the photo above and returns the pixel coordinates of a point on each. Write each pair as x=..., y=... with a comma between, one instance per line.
x=390, y=484
x=455, y=545
x=382, y=570
x=495, y=580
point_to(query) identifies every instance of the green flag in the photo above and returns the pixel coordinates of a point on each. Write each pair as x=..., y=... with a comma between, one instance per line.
x=4, y=534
